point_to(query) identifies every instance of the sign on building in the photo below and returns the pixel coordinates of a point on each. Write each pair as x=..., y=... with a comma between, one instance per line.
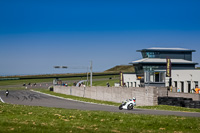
x=169, y=67
x=121, y=79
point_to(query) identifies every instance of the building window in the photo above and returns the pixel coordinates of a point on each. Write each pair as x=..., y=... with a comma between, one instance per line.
x=162, y=77
x=175, y=84
x=150, y=54
x=196, y=83
x=155, y=76
x=150, y=68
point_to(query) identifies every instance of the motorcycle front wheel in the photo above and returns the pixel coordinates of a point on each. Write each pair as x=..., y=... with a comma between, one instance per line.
x=130, y=106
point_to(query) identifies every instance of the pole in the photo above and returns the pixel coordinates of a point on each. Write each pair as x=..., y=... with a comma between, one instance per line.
x=91, y=74
x=87, y=76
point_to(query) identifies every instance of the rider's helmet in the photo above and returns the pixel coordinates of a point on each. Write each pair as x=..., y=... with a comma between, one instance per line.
x=134, y=99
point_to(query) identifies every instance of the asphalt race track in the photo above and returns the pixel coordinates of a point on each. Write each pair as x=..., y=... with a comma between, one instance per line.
x=26, y=97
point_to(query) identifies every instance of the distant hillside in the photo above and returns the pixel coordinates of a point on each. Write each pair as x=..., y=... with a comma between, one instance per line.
x=122, y=68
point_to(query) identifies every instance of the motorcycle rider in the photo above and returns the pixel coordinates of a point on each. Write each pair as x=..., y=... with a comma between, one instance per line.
x=7, y=92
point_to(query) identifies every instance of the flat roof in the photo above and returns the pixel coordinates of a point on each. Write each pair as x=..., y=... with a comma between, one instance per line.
x=167, y=49
x=161, y=61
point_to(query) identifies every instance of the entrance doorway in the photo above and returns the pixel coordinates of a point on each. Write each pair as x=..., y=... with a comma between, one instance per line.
x=189, y=86
x=182, y=86
x=157, y=77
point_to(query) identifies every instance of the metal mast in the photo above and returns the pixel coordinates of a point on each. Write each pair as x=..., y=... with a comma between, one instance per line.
x=91, y=73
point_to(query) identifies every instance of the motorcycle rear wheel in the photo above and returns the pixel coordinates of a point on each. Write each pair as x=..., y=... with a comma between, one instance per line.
x=120, y=107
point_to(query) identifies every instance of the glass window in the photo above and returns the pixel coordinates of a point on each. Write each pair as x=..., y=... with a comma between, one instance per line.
x=196, y=83
x=175, y=83
x=162, y=77
x=150, y=54
x=144, y=55
x=151, y=76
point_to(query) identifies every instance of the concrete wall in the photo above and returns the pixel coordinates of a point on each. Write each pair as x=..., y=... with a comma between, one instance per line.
x=162, y=92
x=195, y=97
x=147, y=96
x=144, y=96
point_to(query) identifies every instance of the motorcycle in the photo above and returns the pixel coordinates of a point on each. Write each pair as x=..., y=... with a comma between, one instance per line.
x=128, y=104
x=7, y=92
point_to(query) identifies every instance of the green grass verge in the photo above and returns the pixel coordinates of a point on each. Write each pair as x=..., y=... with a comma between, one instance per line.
x=34, y=119
x=170, y=108
x=77, y=98
x=158, y=107
x=104, y=82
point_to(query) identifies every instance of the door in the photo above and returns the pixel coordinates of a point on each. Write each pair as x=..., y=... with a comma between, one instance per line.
x=189, y=86
x=157, y=77
x=182, y=86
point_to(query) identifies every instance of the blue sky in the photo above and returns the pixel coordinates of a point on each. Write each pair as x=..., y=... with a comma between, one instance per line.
x=36, y=35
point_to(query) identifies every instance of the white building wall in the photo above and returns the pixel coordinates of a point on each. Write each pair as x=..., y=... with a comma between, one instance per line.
x=184, y=76
x=131, y=80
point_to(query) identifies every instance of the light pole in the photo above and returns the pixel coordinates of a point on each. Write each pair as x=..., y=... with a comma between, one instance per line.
x=91, y=74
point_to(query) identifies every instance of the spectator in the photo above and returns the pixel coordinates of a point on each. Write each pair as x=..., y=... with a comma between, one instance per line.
x=197, y=89
x=108, y=85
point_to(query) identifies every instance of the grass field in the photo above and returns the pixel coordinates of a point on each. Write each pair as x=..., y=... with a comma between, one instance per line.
x=19, y=118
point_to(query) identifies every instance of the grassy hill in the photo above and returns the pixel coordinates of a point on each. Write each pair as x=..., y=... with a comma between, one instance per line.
x=122, y=68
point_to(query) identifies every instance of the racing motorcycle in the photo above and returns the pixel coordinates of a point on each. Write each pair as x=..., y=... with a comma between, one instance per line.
x=128, y=104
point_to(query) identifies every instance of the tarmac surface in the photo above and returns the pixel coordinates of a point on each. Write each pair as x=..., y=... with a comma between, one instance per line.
x=32, y=98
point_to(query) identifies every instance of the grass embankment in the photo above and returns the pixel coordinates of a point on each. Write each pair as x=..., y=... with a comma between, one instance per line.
x=106, y=78
x=122, y=68
x=19, y=118
x=158, y=107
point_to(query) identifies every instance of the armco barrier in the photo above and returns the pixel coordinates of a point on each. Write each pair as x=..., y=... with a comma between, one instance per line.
x=144, y=96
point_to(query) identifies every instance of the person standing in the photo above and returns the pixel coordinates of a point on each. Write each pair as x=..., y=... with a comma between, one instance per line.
x=108, y=85
x=197, y=89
